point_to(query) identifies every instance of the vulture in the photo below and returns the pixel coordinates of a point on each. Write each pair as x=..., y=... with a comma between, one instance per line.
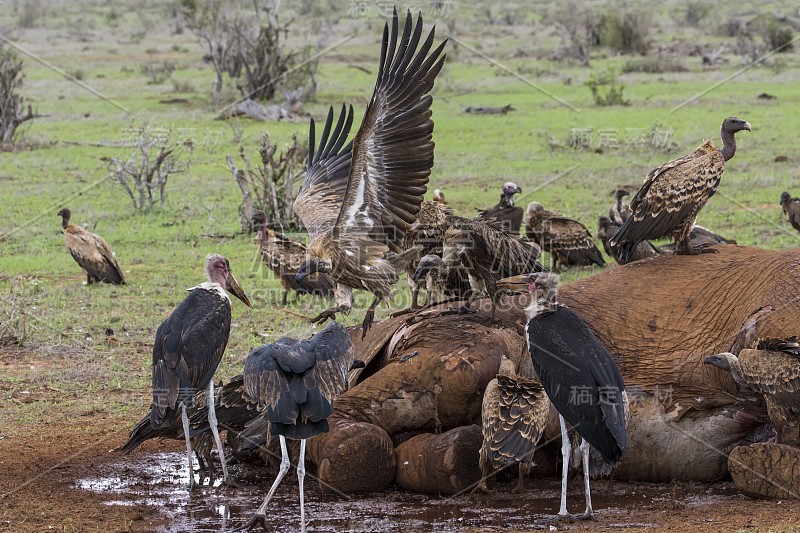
x=619, y=212
x=233, y=410
x=359, y=200
x=295, y=383
x=488, y=254
x=284, y=256
x=91, y=252
x=701, y=237
x=438, y=197
x=674, y=193
x=579, y=375
x=606, y=228
x=430, y=273
x=791, y=207
x=569, y=242
x=772, y=370
x=187, y=350
x=505, y=214
x=514, y=413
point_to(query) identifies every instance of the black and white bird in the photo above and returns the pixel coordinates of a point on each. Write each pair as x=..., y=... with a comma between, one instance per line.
x=295, y=382
x=505, y=214
x=579, y=376
x=188, y=349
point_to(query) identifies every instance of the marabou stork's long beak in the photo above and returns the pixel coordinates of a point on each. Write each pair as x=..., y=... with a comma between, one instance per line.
x=234, y=288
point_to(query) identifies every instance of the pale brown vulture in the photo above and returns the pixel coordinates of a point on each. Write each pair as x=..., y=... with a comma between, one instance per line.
x=91, y=252
x=674, y=193
x=513, y=414
x=505, y=215
x=773, y=370
x=284, y=256
x=357, y=209
x=569, y=242
x=791, y=208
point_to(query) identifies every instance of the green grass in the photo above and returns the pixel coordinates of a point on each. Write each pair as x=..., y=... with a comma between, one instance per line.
x=163, y=251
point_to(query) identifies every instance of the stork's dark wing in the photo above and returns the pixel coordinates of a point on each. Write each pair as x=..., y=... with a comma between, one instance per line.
x=188, y=348
x=320, y=198
x=670, y=193
x=268, y=384
x=517, y=425
x=581, y=379
x=334, y=353
x=393, y=149
x=93, y=254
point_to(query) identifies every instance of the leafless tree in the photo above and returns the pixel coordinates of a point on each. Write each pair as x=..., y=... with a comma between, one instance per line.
x=12, y=105
x=153, y=160
x=272, y=185
x=579, y=26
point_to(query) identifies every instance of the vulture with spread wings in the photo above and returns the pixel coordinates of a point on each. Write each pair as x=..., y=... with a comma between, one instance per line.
x=357, y=201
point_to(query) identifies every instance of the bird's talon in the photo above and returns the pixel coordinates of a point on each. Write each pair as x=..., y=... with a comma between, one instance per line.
x=585, y=516
x=562, y=518
x=323, y=316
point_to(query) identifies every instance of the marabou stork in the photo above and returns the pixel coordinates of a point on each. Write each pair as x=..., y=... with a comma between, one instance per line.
x=579, y=375
x=296, y=383
x=188, y=348
x=91, y=252
x=358, y=202
x=505, y=214
x=673, y=194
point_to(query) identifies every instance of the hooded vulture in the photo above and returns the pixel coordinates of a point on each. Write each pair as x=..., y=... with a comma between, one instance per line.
x=514, y=413
x=674, y=193
x=606, y=229
x=187, y=350
x=284, y=257
x=358, y=202
x=569, y=242
x=295, y=384
x=91, y=252
x=505, y=215
x=579, y=375
x=772, y=370
x=488, y=254
x=791, y=208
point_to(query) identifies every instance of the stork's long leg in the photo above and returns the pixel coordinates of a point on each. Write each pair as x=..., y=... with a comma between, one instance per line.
x=260, y=518
x=301, y=473
x=588, y=514
x=185, y=420
x=566, y=450
x=212, y=421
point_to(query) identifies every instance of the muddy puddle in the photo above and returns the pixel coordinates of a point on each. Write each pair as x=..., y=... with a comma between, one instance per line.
x=160, y=481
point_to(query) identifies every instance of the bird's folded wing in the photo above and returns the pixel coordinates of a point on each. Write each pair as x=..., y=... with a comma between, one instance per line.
x=523, y=408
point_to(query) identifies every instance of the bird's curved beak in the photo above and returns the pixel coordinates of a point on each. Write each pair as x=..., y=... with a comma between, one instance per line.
x=234, y=288
x=715, y=360
x=519, y=189
x=748, y=127
x=514, y=283
x=418, y=273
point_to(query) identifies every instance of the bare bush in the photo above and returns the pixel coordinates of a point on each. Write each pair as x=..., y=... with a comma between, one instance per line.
x=272, y=185
x=579, y=26
x=158, y=72
x=12, y=105
x=153, y=160
x=15, y=328
x=627, y=29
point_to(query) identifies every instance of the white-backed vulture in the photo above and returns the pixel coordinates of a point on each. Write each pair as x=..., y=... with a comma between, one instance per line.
x=357, y=209
x=791, y=208
x=91, y=252
x=674, y=193
x=505, y=214
x=569, y=242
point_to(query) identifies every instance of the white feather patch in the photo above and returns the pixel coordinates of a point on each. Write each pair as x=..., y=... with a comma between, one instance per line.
x=213, y=287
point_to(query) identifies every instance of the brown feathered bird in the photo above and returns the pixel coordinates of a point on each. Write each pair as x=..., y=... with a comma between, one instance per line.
x=701, y=237
x=91, y=252
x=569, y=242
x=438, y=197
x=505, y=214
x=672, y=195
x=357, y=209
x=791, y=208
x=284, y=256
x=514, y=413
x=619, y=212
x=773, y=370
x=606, y=228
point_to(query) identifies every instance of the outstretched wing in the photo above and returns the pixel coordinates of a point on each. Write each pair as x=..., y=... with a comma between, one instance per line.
x=320, y=198
x=393, y=149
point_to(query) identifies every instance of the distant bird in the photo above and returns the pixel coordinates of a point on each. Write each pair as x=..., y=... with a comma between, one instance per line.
x=514, y=414
x=701, y=237
x=296, y=382
x=284, y=257
x=569, y=242
x=606, y=229
x=488, y=254
x=505, y=214
x=187, y=350
x=791, y=207
x=620, y=212
x=431, y=273
x=357, y=209
x=772, y=370
x=233, y=410
x=579, y=376
x=91, y=252
x=438, y=196
x=674, y=193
